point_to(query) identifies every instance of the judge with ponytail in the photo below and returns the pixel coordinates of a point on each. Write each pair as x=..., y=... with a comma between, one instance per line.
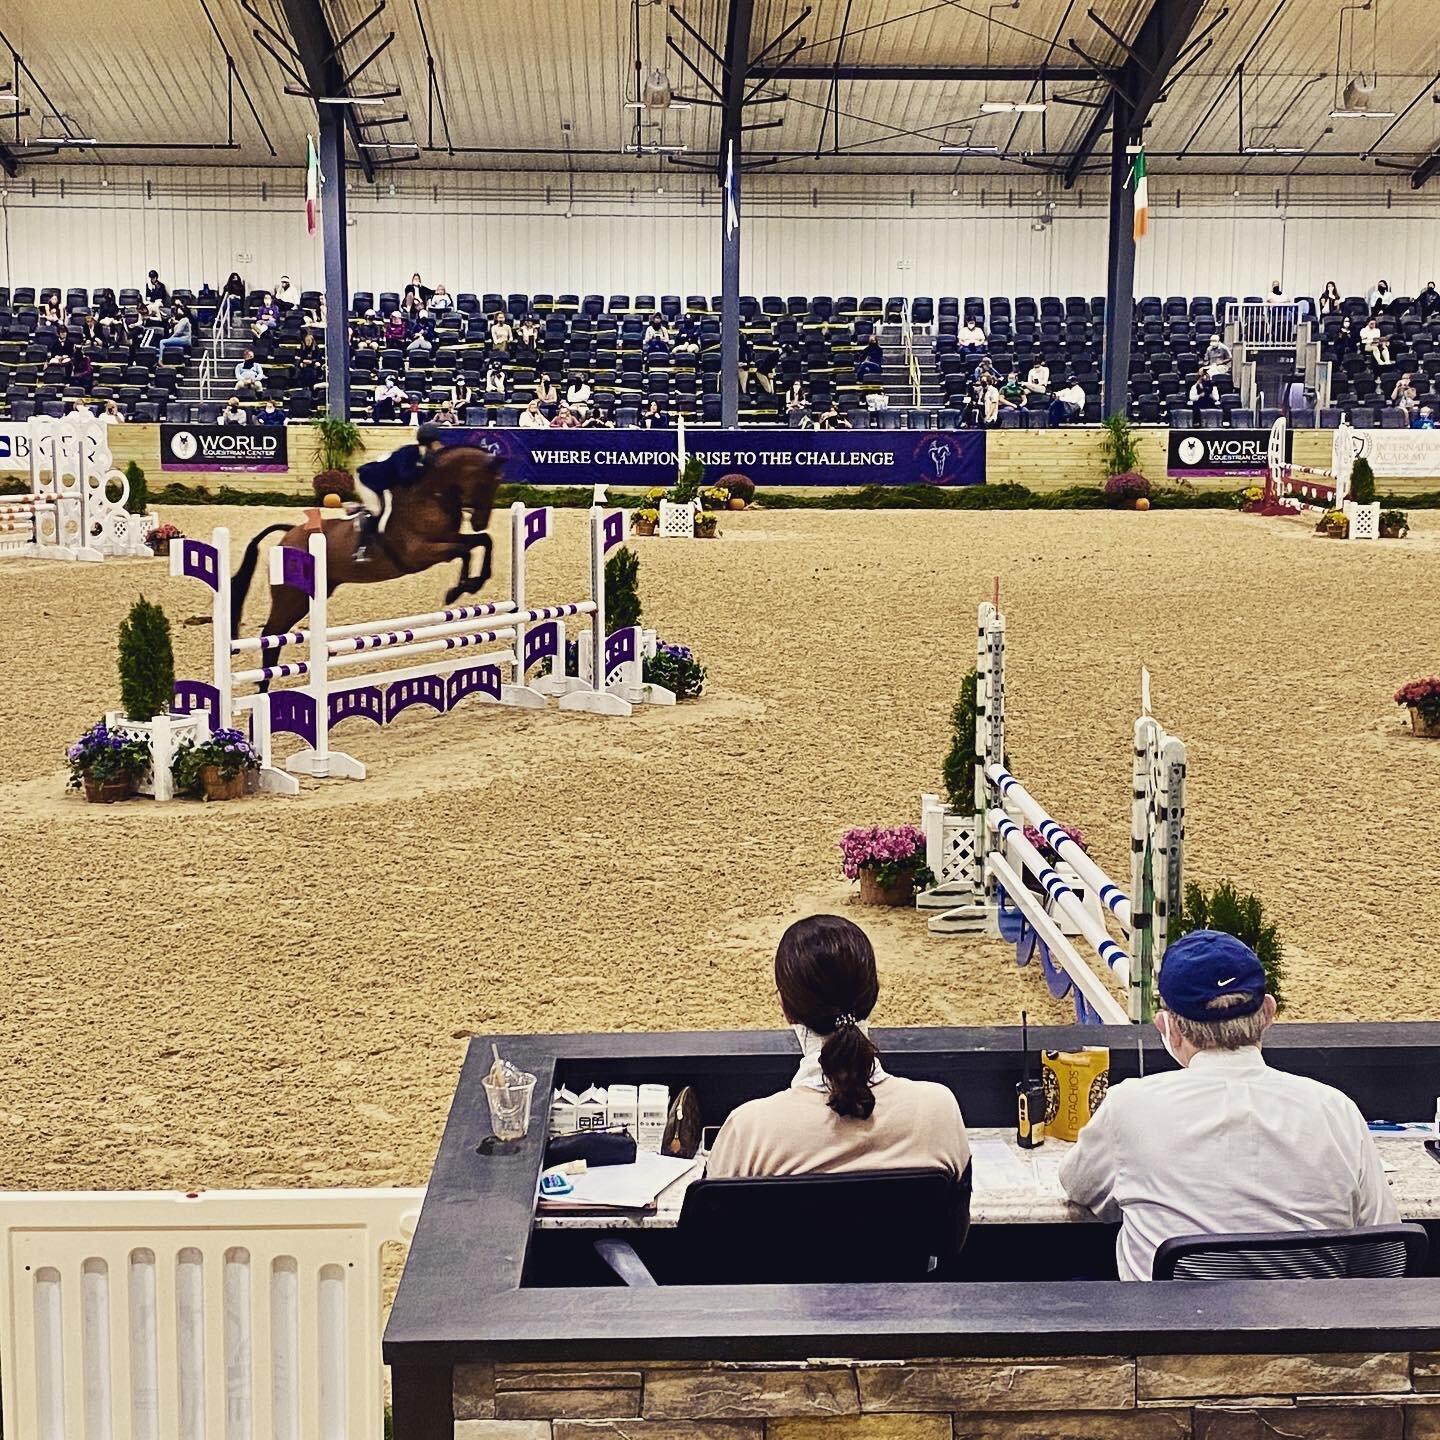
x=842, y=1111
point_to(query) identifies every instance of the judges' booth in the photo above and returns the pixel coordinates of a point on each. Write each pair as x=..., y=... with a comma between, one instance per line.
x=987, y=1308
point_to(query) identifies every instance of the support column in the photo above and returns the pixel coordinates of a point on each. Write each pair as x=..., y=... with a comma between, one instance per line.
x=337, y=268
x=1120, y=270
x=730, y=299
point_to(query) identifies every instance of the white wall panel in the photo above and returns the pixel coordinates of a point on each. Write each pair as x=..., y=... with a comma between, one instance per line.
x=499, y=232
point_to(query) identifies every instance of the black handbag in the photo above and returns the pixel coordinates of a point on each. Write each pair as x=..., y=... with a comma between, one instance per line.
x=594, y=1147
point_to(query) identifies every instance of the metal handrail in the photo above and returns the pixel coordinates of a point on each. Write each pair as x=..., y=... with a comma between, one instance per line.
x=912, y=366
x=219, y=329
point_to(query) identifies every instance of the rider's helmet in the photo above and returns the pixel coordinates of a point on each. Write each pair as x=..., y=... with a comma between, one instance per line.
x=429, y=433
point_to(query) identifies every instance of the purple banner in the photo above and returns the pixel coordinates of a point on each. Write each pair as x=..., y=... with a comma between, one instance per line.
x=641, y=458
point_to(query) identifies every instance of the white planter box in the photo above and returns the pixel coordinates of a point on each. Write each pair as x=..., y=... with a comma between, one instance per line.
x=164, y=735
x=1364, y=520
x=677, y=522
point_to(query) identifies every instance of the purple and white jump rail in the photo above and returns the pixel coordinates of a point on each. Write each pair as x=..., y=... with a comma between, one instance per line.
x=496, y=638
x=1045, y=909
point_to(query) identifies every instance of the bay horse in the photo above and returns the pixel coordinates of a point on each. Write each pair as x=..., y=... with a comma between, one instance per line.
x=423, y=531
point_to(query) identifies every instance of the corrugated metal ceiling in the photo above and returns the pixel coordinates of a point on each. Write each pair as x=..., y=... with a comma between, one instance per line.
x=543, y=85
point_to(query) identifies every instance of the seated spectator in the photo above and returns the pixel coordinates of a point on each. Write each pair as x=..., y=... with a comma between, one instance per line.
x=309, y=362
x=234, y=288
x=413, y=309
x=181, y=334
x=870, y=363
x=417, y=291
x=155, y=289
x=989, y=400
x=1217, y=357
x=1375, y=344
x=1204, y=390
x=82, y=372
x=389, y=400
x=1404, y=383
x=971, y=340
x=1276, y=295
x=366, y=333
x=445, y=414
x=598, y=419
x=546, y=393
x=1224, y=1145
x=396, y=329
x=657, y=335
x=686, y=345
x=834, y=419
x=495, y=382
x=565, y=418
x=577, y=395
x=651, y=418
x=797, y=407
x=527, y=333
x=1329, y=299
x=1380, y=297
x=89, y=336
x=1428, y=301
x=502, y=335
x=841, y=1112
x=248, y=374
x=1068, y=405
x=420, y=345
x=532, y=419
x=440, y=301
x=460, y=396
x=267, y=317
x=112, y=326
x=57, y=367
x=233, y=413
x=51, y=315
x=111, y=414
x=1037, y=382
x=80, y=410
x=1423, y=419
x=287, y=297
x=1012, y=392
x=270, y=414
x=1346, y=340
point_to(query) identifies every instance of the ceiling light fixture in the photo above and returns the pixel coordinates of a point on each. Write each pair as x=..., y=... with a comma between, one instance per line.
x=1012, y=107
x=656, y=149
x=969, y=149
x=673, y=105
x=65, y=140
x=349, y=99
x=1274, y=149
x=388, y=145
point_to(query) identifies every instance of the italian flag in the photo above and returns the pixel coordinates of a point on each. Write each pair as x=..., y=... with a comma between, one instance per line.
x=312, y=185
x=1142, y=195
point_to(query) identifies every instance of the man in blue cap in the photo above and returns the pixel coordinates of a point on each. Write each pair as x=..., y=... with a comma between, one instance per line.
x=1225, y=1144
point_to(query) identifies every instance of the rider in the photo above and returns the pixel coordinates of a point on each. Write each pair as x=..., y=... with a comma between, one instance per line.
x=376, y=482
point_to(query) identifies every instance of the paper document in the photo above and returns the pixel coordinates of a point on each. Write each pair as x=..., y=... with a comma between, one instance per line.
x=998, y=1167
x=622, y=1187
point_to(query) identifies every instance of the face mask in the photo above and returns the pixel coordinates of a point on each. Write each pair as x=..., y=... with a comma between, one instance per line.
x=1164, y=1027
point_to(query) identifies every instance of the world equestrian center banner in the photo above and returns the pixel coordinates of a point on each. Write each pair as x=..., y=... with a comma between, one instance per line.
x=1222, y=454
x=639, y=458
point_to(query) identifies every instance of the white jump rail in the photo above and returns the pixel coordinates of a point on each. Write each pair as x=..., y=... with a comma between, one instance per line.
x=228, y=1314
x=1007, y=886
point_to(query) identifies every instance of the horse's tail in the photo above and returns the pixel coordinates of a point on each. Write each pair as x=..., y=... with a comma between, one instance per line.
x=240, y=584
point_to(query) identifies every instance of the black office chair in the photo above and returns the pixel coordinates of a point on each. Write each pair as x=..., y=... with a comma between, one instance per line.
x=863, y=1225
x=1377, y=1252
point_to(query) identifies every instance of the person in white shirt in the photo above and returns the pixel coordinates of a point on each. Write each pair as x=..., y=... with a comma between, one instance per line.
x=1037, y=382
x=1276, y=295
x=1068, y=404
x=286, y=295
x=233, y=414
x=440, y=302
x=1217, y=357
x=1380, y=296
x=1204, y=390
x=577, y=395
x=1375, y=345
x=971, y=338
x=990, y=403
x=532, y=419
x=111, y=414
x=1224, y=1145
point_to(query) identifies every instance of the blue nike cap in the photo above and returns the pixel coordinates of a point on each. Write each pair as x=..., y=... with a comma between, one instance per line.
x=1204, y=965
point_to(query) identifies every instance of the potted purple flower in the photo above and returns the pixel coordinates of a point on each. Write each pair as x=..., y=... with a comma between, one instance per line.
x=888, y=861
x=1127, y=490
x=1422, y=699
x=106, y=764
x=216, y=768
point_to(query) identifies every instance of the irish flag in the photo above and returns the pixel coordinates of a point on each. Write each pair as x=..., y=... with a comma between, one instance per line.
x=312, y=185
x=1142, y=194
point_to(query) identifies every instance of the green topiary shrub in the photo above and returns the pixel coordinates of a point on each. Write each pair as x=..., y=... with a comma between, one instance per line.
x=139, y=501
x=1242, y=916
x=957, y=774
x=147, y=662
x=1362, y=483
x=622, y=590
x=692, y=477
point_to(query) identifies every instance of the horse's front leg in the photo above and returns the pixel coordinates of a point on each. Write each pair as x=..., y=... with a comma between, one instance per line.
x=467, y=584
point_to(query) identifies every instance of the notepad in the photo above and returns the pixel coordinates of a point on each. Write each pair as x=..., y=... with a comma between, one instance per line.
x=622, y=1187
x=998, y=1167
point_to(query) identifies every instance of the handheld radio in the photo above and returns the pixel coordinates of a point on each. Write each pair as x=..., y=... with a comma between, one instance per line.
x=1029, y=1097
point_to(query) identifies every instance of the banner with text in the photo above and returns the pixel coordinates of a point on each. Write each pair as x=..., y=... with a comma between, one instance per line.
x=1400, y=452
x=639, y=458
x=15, y=447
x=1222, y=453
x=223, y=447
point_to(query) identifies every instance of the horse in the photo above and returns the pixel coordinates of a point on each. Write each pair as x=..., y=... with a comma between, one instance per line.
x=423, y=531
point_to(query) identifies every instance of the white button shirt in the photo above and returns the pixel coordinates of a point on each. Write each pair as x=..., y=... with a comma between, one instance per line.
x=1227, y=1146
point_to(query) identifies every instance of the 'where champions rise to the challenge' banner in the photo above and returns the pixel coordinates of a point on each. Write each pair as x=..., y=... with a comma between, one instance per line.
x=768, y=457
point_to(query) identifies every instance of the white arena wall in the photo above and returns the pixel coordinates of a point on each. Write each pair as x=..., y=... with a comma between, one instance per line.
x=91, y=224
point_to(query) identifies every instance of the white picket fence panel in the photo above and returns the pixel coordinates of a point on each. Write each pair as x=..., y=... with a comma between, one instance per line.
x=227, y=1315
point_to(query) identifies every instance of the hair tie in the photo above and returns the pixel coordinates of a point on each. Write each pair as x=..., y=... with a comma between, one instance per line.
x=843, y=1020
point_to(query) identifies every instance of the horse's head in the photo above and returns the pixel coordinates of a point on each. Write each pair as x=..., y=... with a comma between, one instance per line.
x=472, y=475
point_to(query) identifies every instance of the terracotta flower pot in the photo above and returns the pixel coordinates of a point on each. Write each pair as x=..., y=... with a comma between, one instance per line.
x=161, y=547
x=736, y=503
x=898, y=892
x=642, y=527
x=215, y=787
x=107, y=792
x=1422, y=726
